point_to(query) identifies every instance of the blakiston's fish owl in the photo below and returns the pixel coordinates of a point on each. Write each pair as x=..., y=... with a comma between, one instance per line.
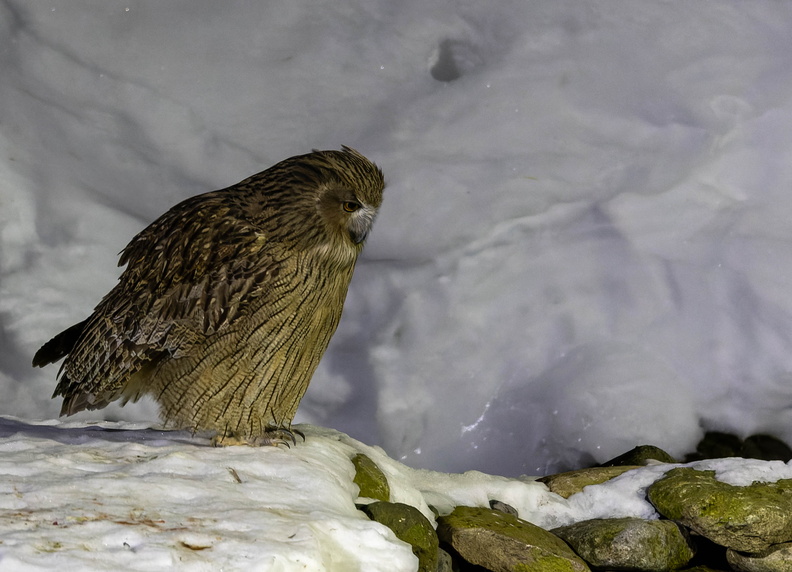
x=228, y=301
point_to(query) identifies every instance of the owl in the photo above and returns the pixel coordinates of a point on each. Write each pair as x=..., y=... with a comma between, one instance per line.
x=227, y=301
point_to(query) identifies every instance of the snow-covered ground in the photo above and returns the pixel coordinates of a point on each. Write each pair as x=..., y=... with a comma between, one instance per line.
x=120, y=496
x=585, y=241
x=126, y=498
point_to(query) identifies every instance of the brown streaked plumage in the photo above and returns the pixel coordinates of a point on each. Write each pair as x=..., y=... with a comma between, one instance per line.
x=228, y=300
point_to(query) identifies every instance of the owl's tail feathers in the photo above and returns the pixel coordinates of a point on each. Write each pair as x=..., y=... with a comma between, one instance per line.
x=76, y=401
x=59, y=346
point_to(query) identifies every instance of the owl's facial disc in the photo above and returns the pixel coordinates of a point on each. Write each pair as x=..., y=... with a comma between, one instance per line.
x=346, y=214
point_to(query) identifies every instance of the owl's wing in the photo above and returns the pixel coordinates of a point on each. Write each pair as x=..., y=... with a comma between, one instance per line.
x=188, y=275
x=194, y=268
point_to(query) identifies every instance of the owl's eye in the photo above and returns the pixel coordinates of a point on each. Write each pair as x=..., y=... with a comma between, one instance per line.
x=350, y=206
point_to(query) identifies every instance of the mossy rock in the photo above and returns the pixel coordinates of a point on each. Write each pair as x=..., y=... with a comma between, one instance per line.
x=370, y=479
x=777, y=558
x=410, y=526
x=746, y=519
x=629, y=543
x=571, y=482
x=501, y=542
x=640, y=455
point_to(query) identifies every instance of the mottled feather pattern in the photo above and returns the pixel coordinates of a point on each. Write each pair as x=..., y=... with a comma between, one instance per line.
x=228, y=300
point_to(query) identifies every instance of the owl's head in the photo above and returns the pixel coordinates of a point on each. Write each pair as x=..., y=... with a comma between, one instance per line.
x=323, y=202
x=349, y=193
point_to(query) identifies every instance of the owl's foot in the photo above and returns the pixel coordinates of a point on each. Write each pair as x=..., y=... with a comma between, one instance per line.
x=280, y=436
x=273, y=437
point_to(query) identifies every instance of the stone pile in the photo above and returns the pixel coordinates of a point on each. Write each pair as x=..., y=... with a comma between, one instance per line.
x=705, y=525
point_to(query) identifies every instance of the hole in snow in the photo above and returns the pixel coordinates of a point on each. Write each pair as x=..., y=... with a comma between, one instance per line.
x=452, y=59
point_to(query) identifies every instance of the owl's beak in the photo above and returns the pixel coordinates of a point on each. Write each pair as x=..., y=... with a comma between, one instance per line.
x=360, y=224
x=358, y=236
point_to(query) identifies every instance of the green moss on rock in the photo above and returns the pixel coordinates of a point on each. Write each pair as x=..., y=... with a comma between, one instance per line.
x=640, y=456
x=629, y=543
x=370, y=479
x=410, y=526
x=571, y=482
x=502, y=542
x=777, y=558
x=747, y=519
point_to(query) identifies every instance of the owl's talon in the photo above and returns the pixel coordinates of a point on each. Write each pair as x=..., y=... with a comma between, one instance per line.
x=283, y=435
x=273, y=437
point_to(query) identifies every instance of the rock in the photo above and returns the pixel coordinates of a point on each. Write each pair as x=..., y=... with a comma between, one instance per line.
x=410, y=526
x=747, y=519
x=569, y=483
x=629, y=543
x=717, y=445
x=777, y=558
x=640, y=456
x=501, y=542
x=709, y=554
x=444, y=561
x=370, y=479
x=503, y=507
x=767, y=448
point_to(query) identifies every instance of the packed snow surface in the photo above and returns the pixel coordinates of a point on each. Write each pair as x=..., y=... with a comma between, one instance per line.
x=121, y=496
x=584, y=244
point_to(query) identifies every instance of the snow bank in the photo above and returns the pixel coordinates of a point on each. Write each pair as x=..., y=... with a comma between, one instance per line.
x=121, y=496
x=584, y=243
